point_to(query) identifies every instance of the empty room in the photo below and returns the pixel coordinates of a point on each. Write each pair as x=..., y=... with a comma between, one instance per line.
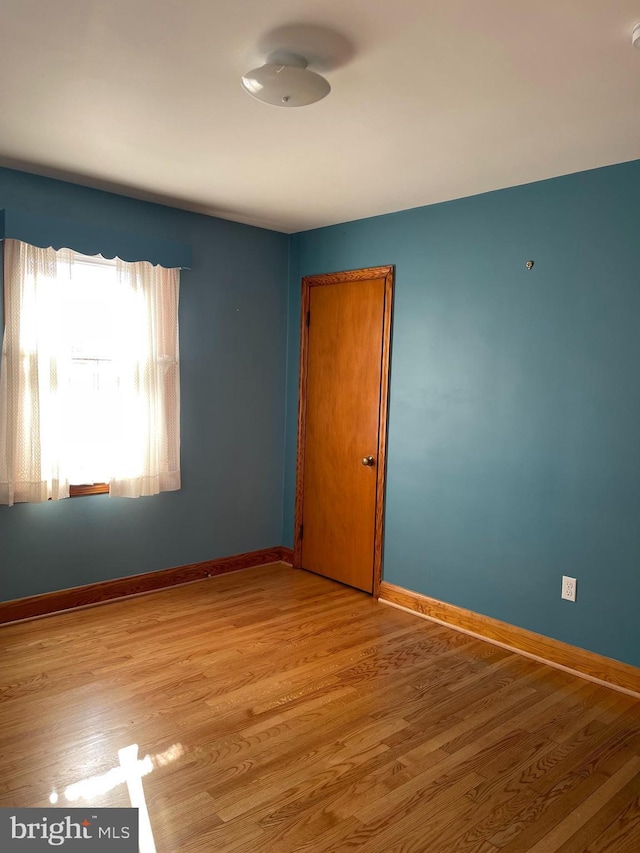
x=320, y=426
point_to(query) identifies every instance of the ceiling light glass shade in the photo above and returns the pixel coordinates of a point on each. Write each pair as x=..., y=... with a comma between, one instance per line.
x=286, y=83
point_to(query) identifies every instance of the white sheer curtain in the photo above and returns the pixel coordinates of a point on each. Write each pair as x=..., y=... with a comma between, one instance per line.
x=88, y=392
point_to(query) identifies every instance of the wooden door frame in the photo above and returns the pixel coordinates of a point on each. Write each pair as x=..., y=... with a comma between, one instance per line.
x=385, y=273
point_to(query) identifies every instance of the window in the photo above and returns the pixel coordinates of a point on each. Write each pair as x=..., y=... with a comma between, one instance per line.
x=92, y=318
x=89, y=385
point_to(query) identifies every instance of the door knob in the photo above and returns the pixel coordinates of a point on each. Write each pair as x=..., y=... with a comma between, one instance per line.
x=368, y=461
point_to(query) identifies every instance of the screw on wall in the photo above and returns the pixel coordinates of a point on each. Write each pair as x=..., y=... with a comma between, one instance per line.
x=529, y=265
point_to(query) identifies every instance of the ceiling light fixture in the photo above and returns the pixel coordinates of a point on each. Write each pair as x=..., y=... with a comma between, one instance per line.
x=285, y=81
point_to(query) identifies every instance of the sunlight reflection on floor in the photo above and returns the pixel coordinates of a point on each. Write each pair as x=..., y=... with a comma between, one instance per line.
x=130, y=772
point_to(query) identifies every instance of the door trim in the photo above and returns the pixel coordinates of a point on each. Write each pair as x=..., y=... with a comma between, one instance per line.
x=387, y=274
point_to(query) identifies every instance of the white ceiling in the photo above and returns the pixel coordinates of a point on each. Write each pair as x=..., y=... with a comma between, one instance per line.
x=431, y=100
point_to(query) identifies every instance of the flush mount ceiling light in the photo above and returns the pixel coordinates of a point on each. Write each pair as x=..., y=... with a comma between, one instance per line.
x=285, y=81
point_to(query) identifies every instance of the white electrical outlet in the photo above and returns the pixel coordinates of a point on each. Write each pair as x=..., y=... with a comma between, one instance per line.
x=569, y=586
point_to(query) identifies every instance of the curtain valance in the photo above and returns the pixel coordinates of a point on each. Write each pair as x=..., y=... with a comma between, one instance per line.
x=89, y=239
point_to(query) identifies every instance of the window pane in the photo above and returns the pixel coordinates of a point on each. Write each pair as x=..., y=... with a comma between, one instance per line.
x=95, y=301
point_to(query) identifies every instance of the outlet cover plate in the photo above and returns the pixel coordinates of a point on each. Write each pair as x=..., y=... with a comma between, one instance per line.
x=569, y=586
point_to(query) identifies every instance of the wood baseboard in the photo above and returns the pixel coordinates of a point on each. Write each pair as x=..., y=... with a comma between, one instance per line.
x=287, y=555
x=612, y=673
x=97, y=593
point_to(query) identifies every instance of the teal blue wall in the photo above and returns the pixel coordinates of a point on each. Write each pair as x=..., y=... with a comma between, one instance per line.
x=232, y=336
x=514, y=432
x=514, y=435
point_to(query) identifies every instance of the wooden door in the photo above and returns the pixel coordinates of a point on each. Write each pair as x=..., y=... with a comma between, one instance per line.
x=342, y=420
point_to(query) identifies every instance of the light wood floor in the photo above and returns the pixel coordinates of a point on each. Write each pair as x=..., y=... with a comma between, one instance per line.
x=311, y=718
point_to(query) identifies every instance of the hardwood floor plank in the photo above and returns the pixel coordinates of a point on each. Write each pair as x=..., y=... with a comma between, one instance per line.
x=578, y=829
x=542, y=813
x=623, y=833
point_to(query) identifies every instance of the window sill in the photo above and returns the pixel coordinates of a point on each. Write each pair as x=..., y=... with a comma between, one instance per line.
x=93, y=489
